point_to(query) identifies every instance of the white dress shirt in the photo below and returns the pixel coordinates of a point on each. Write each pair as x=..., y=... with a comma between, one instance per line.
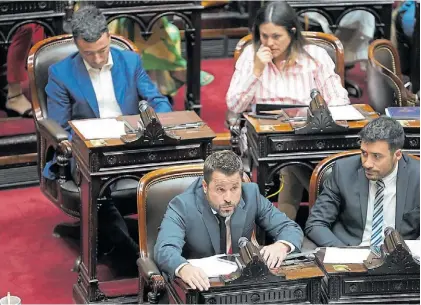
x=389, y=205
x=102, y=82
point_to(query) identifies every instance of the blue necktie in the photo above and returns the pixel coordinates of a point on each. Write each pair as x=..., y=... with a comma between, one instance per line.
x=377, y=223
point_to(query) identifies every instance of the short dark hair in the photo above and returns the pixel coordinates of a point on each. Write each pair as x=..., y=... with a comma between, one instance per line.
x=384, y=129
x=224, y=161
x=89, y=24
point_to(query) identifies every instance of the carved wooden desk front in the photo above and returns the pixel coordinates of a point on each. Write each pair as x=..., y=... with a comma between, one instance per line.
x=302, y=284
x=356, y=286
x=100, y=165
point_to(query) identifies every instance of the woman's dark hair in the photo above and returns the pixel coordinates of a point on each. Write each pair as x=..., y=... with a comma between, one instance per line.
x=282, y=14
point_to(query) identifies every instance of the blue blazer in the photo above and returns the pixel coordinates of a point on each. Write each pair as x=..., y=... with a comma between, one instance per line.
x=71, y=96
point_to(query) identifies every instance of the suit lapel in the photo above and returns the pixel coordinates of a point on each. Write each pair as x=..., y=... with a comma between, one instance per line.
x=209, y=219
x=237, y=225
x=118, y=80
x=401, y=191
x=363, y=191
x=85, y=83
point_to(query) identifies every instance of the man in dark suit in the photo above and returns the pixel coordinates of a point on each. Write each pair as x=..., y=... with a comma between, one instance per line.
x=101, y=82
x=220, y=202
x=367, y=193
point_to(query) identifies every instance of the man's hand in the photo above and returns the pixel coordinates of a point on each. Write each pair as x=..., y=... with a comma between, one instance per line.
x=275, y=254
x=195, y=277
x=261, y=59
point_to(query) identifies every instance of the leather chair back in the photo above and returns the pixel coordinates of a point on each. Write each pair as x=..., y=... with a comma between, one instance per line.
x=156, y=189
x=384, y=77
x=323, y=170
x=49, y=51
x=329, y=42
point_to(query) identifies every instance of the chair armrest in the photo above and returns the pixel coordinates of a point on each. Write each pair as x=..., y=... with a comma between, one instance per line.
x=147, y=268
x=52, y=130
x=149, y=274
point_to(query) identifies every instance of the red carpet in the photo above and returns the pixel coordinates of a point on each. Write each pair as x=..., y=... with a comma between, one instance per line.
x=36, y=266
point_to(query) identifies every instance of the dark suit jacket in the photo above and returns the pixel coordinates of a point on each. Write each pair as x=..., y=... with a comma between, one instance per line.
x=190, y=229
x=339, y=215
x=71, y=96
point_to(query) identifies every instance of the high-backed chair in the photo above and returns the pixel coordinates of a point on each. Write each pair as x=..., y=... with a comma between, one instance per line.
x=329, y=42
x=323, y=170
x=385, y=84
x=155, y=191
x=52, y=139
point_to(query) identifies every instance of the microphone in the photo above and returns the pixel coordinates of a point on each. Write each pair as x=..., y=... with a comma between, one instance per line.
x=314, y=93
x=248, y=251
x=143, y=105
x=242, y=242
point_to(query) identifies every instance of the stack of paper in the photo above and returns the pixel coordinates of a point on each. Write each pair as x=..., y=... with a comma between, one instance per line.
x=414, y=247
x=345, y=113
x=214, y=267
x=100, y=128
x=345, y=255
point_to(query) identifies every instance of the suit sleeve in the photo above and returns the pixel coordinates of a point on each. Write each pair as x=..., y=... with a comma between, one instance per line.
x=147, y=89
x=58, y=101
x=277, y=224
x=171, y=238
x=325, y=213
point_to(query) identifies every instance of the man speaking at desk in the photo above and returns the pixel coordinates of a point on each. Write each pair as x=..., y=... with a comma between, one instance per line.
x=220, y=203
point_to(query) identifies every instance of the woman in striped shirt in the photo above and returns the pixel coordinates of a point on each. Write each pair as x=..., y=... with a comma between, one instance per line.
x=281, y=67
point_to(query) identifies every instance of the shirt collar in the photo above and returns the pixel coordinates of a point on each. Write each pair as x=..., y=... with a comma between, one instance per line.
x=108, y=65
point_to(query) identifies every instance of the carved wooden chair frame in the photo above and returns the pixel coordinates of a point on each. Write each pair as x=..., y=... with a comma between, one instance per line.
x=403, y=96
x=46, y=128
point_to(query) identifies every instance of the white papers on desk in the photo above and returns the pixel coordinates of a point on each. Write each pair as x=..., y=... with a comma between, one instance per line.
x=213, y=267
x=100, y=128
x=414, y=247
x=345, y=113
x=345, y=255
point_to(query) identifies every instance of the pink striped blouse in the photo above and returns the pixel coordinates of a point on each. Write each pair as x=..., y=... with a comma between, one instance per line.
x=290, y=86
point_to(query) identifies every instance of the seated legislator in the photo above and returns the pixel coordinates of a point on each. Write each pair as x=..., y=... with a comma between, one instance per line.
x=281, y=67
x=100, y=82
x=220, y=202
x=367, y=193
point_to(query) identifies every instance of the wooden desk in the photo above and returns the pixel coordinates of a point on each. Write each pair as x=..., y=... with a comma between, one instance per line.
x=302, y=284
x=355, y=286
x=101, y=165
x=273, y=145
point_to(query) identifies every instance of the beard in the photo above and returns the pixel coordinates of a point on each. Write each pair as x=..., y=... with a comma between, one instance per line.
x=226, y=213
